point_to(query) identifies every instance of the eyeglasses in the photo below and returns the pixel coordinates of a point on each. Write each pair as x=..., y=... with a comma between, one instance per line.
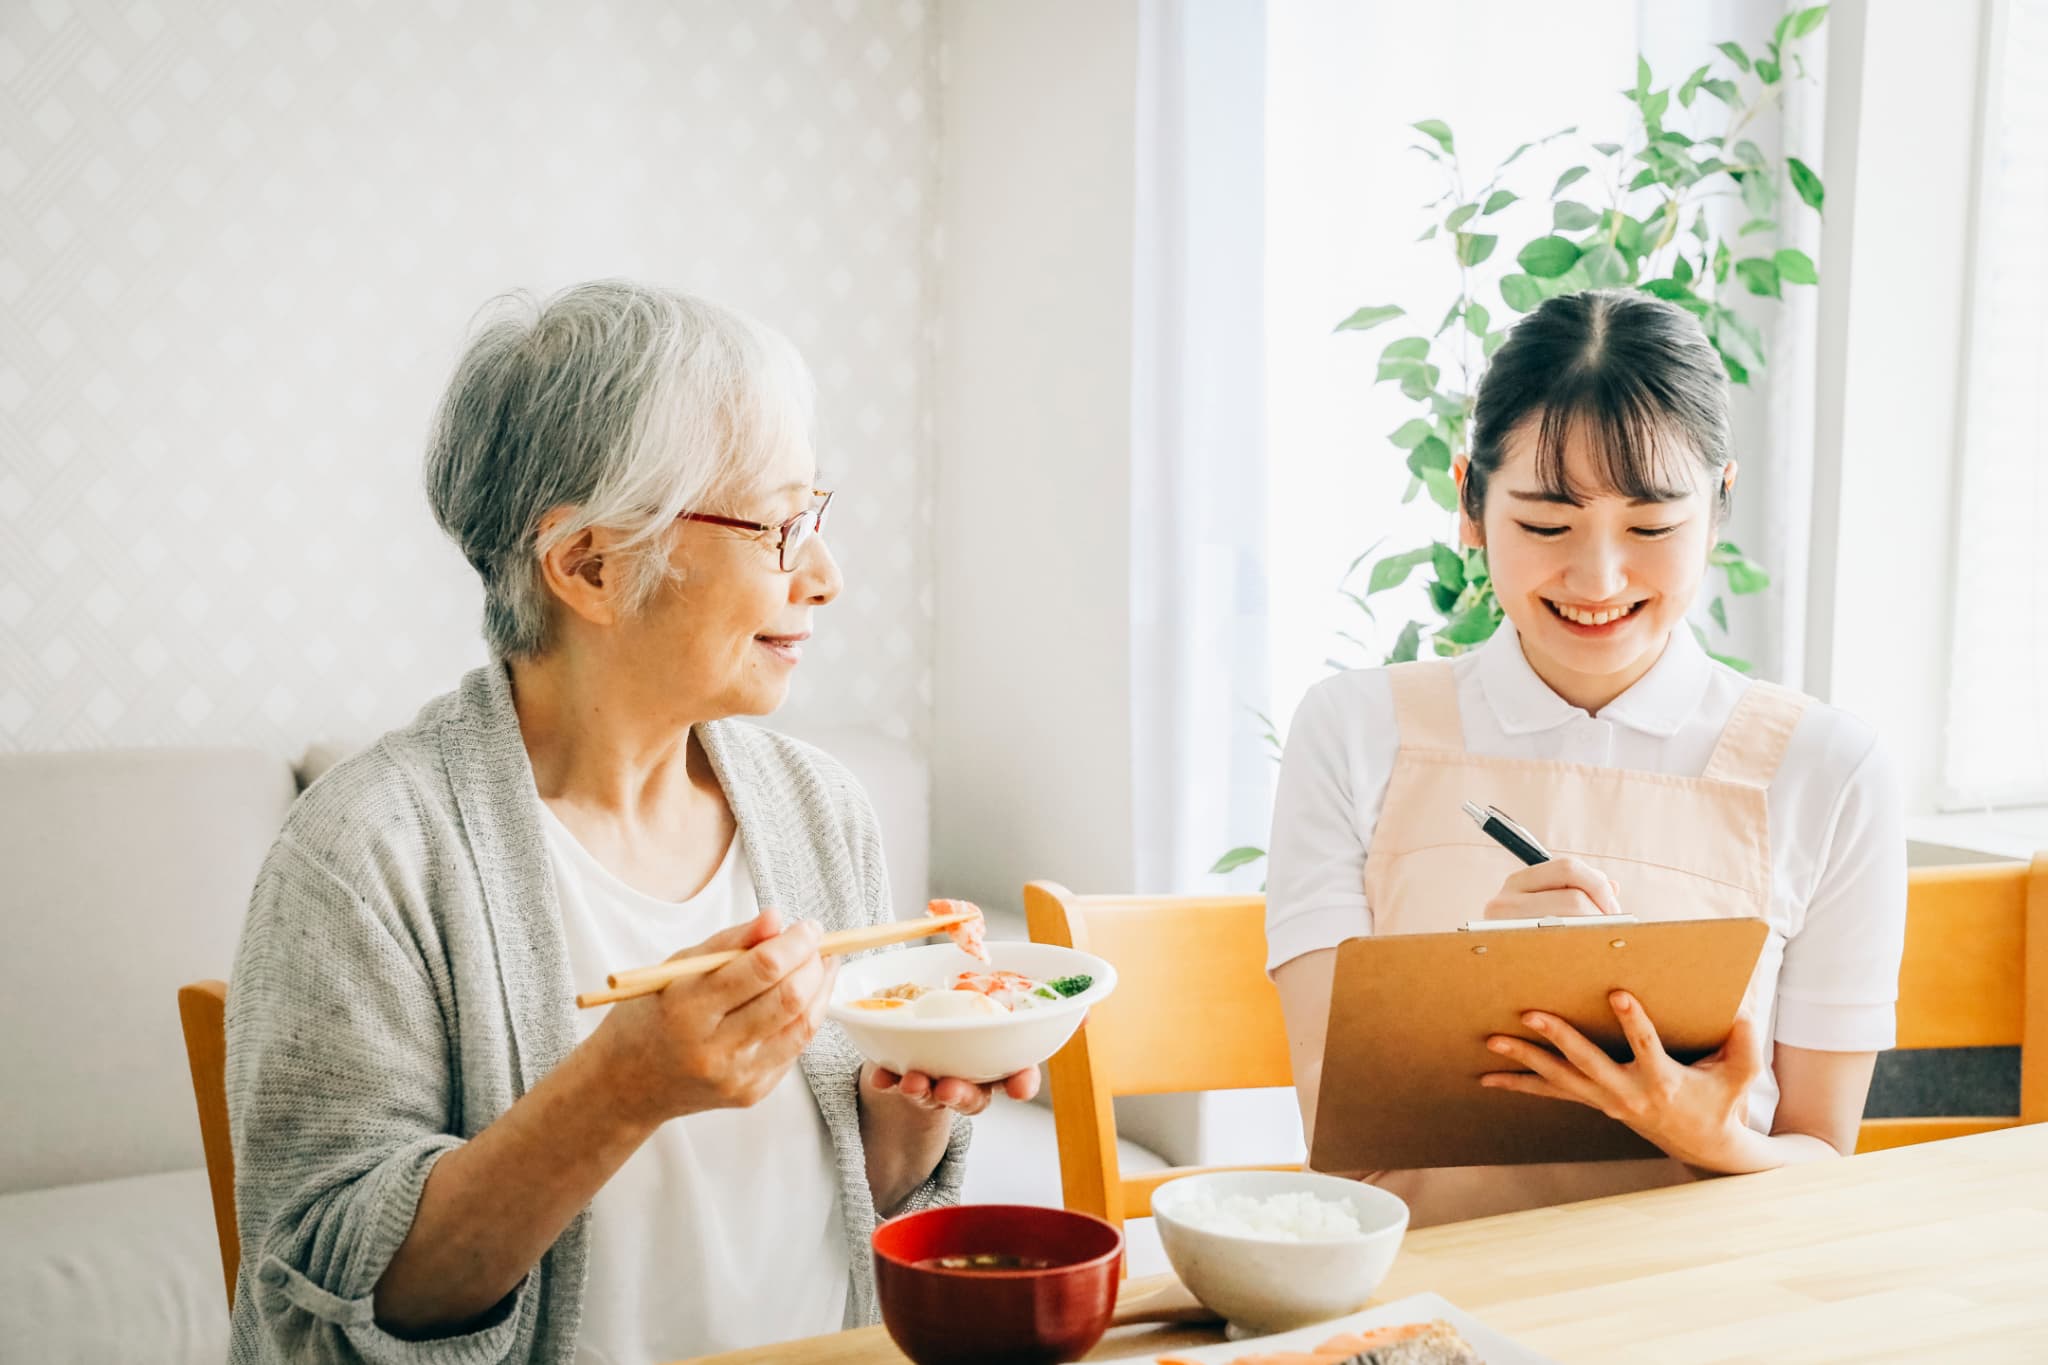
x=794, y=533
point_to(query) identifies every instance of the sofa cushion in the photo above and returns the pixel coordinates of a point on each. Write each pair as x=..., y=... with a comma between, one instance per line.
x=127, y=875
x=113, y=1270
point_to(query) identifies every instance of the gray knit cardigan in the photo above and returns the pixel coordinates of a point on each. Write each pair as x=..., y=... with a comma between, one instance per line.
x=402, y=979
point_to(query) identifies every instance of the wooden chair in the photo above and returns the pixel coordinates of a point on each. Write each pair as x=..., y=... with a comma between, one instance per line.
x=1193, y=1010
x=202, y=1006
x=1975, y=975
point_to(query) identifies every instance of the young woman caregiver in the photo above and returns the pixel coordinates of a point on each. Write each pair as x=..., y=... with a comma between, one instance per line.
x=1666, y=785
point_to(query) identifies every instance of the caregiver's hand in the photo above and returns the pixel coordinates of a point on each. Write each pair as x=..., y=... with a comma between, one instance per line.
x=725, y=1039
x=1562, y=886
x=1695, y=1113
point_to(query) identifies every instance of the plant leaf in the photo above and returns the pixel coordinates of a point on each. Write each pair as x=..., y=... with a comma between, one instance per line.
x=1366, y=318
x=1471, y=626
x=1438, y=129
x=1407, y=348
x=1548, y=257
x=1724, y=91
x=1499, y=200
x=1805, y=182
x=1719, y=611
x=1795, y=267
x=1760, y=274
x=1460, y=216
x=1569, y=178
x=1430, y=453
x=1568, y=215
x=1411, y=433
x=1236, y=858
x=1666, y=289
x=1477, y=319
x=1427, y=233
x=1744, y=574
x=1606, y=266
x=1607, y=148
x=1474, y=247
x=1393, y=571
x=1406, y=645
x=1449, y=566
x=1443, y=490
x=1756, y=225
x=1520, y=292
x=1767, y=71
x=1494, y=340
x=1735, y=54
x=1807, y=20
x=1692, y=86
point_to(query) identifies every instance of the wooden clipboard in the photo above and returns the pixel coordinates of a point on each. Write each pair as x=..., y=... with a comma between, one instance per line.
x=1410, y=1015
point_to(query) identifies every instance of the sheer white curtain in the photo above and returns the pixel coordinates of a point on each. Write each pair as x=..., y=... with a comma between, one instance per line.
x=1995, y=743
x=1198, y=633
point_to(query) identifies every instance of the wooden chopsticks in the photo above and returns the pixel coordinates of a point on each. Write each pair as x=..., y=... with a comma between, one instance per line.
x=647, y=980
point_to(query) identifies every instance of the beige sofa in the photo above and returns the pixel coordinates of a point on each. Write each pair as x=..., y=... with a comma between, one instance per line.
x=125, y=875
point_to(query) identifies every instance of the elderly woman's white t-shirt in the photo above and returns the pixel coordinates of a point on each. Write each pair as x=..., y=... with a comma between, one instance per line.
x=724, y=1230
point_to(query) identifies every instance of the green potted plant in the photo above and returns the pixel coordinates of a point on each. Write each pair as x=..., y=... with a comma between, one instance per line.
x=1628, y=214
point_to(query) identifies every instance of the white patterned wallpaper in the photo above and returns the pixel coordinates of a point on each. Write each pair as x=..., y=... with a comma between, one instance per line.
x=240, y=243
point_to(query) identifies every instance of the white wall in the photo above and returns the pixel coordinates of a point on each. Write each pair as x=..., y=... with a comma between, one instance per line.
x=239, y=249
x=1894, y=253
x=1031, y=733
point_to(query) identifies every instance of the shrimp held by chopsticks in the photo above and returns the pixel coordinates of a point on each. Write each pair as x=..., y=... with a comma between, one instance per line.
x=971, y=934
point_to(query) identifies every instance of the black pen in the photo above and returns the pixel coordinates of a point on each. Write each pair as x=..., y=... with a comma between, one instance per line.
x=1508, y=834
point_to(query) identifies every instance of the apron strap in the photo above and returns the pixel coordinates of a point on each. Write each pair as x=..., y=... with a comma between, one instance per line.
x=1426, y=705
x=1754, y=740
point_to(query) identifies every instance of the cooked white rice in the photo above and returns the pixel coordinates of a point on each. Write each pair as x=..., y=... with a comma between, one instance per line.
x=1292, y=1217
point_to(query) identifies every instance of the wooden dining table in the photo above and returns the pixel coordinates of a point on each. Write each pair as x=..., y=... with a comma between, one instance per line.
x=1937, y=1252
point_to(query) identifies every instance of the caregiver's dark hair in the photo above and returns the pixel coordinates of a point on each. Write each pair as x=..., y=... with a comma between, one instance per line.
x=1634, y=372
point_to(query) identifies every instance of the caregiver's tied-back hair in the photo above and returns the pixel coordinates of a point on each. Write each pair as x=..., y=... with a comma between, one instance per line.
x=1634, y=374
x=624, y=402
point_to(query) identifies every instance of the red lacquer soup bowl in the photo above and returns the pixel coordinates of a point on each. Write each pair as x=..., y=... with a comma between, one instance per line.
x=996, y=1284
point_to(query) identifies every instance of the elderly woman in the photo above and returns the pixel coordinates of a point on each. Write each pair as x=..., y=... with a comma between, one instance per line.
x=438, y=1158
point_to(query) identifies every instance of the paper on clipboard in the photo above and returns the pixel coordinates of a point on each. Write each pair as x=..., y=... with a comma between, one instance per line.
x=1410, y=1015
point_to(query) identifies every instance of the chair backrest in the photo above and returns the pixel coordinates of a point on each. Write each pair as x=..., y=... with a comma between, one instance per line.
x=1193, y=1010
x=202, y=1006
x=1975, y=974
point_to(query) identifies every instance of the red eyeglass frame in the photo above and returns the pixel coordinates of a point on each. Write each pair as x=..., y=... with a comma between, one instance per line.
x=787, y=528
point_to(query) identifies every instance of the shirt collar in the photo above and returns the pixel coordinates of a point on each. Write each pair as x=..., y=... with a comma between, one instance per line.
x=1658, y=704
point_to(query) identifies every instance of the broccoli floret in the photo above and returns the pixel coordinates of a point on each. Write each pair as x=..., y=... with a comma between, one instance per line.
x=1073, y=985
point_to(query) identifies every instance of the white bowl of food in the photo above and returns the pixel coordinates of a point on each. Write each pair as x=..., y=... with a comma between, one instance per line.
x=1274, y=1250
x=937, y=1010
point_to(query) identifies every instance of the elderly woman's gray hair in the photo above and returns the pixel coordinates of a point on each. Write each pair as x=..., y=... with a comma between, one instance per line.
x=628, y=404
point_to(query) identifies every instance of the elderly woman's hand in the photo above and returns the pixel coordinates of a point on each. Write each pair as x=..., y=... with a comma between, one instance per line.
x=905, y=1122
x=946, y=1093
x=725, y=1039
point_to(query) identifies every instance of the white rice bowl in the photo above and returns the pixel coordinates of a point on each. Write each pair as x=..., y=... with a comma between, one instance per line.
x=1274, y=1250
x=979, y=1048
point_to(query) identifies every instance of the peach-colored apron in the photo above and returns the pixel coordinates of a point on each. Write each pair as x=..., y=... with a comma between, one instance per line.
x=1679, y=848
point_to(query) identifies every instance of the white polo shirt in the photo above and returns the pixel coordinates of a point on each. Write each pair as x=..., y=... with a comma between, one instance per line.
x=1836, y=815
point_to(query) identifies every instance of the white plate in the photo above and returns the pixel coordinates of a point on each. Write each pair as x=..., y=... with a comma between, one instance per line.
x=1493, y=1348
